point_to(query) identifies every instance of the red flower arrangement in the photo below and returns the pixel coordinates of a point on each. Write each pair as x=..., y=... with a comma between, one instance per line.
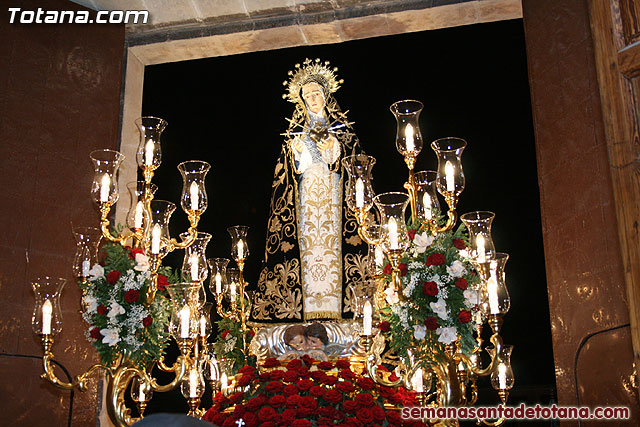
x=304, y=394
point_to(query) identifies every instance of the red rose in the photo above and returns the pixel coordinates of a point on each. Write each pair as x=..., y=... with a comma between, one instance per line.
x=250, y=419
x=252, y=332
x=393, y=377
x=239, y=410
x=365, y=415
x=255, y=403
x=293, y=400
x=290, y=390
x=304, y=413
x=403, y=269
x=218, y=419
x=354, y=422
x=318, y=375
x=459, y=244
x=248, y=369
x=131, y=296
x=378, y=414
x=269, y=424
x=364, y=399
x=308, y=360
x=386, y=392
x=294, y=364
x=290, y=376
x=430, y=289
x=329, y=380
x=384, y=326
x=387, y=269
x=347, y=374
x=102, y=310
x=325, y=366
x=461, y=284
x=301, y=423
x=95, y=333
x=271, y=362
x=412, y=233
x=365, y=383
x=113, y=277
x=276, y=375
x=431, y=323
x=224, y=334
x=147, y=321
x=327, y=411
x=435, y=259
x=394, y=418
x=303, y=372
x=134, y=251
x=345, y=387
x=382, y=368
x=308, y=402
x=333, y=396
x=236, y=398
x=349, y=406
x=220, y=399
x=245, y=380
x=342, y=364
x=274, y=387
x=305, y=385
x=464, y=316
x=325, y=422
x=288, y=415
x=317, y=391
x=163, y=281
x=267, y=413
x=265, y=377
x=277, y=401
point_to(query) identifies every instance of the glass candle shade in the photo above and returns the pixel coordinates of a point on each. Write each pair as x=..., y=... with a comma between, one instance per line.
x=363, y=293
x=138, y=216
x=204, y=323
x=161, y=211
x=426, y=195
x=233, y=280
x=393, y=229
x=194, y=195
x=47, y=316
x=239, y=248
x=217, y=274
x=359, y=192
x=481, y=246
x=450, y=175
x=105, y=181
x=502, y=376
x=408, y=135
x=184, y=310
x=494, y=295
x=149, y=153
x=140, y=391
x=192, y=385
x=87, y=242
x=211, y=368
x=194, y=264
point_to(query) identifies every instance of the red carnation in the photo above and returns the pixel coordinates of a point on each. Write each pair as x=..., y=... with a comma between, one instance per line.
x=131, y=296
x=435, y=259
x=333, y=396
x=224, y=334
x=102, y=310
x=387, y=269
x=364, y=399
x=431, y=323
x=277, y=401
x=365, y=383
x=317, y=391
x=403, y=269
x=294, y=364
x=464, y=316
x=271, y=362
x=274, y=387
x=345, y=387
x=305, y=385
x=290, y=390
x=342, y=364
x=430, y=289
x=461, y=284
x=147, y=321
x=163, y=281
x=459, y=244
x=113, y=277
x=134, y=251
x=365, y=415
x=325, y=366
x=384, y=326
x=267, y=413
x=412, y=233
x=95, y=333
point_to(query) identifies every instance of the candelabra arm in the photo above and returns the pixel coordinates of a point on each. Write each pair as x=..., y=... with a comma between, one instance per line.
x=474, y=394
x=496, y=340
x=194, y=218
x=452, y=216
x=105, y=208
x=231, y=314
x=180, y=367
x=163, y=367
x=410, y=185
x=504, y=395
x=116, y=390
x=372, y=371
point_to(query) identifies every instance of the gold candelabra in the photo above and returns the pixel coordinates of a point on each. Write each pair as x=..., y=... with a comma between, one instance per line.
x=444, y=376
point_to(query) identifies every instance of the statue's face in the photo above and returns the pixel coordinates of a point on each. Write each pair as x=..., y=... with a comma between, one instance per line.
x=298, y=342
x=315, y=343
x=313, y=96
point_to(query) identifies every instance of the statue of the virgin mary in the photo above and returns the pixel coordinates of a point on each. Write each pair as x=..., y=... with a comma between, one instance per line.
x=313, y=255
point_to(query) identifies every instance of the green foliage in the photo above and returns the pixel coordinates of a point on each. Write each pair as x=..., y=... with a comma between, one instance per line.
x=229, y=342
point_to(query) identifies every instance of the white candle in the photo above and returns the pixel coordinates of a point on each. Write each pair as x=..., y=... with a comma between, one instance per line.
x=232, y=289
x=426, y=201
x=104, y=188
x=359, y=193
x=379, y=255
x=195, y=196
x=223, y=382
x=86, y=266
x=141, y=396
x=47, y=309
x=492, y=291
x=203, y=326
x=448, y=171
x=137, y=218
x=393, y=234
x=185, y=313
x=408, y=133
x=502, y=376
x=367, y=318
x=481, y=254
x=218, y=283
x=193, y=260
x=193, y=383
x=148, y=153
x=418, y=385
x=240, y=247
x=155, y=239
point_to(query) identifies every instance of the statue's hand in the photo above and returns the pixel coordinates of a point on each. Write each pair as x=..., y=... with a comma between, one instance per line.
x=325, y=144
x=297, y=145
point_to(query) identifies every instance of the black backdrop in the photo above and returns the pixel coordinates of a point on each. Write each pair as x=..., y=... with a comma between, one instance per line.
x=473, y=82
